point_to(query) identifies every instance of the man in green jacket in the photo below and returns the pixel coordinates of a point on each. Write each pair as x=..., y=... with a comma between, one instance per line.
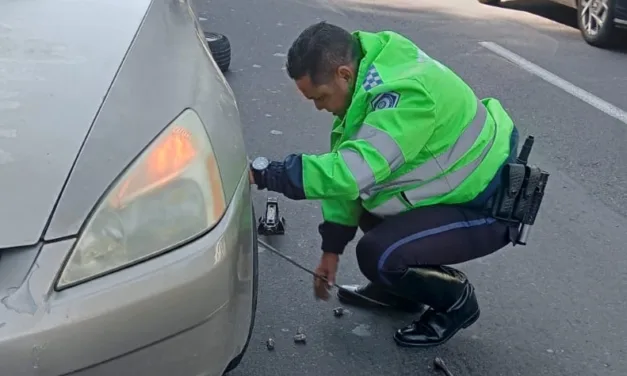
x=414, y=157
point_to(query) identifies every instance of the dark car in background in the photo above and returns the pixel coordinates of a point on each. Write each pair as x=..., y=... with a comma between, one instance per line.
x=599, y=21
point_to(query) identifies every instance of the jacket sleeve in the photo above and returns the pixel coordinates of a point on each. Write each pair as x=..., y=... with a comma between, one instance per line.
x=395, y=130
x=341, y=220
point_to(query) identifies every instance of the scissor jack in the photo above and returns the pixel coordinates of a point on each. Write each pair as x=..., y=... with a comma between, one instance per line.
x=271, y=223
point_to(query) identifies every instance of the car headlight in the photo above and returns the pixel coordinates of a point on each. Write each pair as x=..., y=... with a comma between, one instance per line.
x=170, y=194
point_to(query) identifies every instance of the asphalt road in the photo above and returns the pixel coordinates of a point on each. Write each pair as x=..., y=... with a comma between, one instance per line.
x=556, y=307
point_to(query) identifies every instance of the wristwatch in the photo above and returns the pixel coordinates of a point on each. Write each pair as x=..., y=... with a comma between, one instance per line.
x=259, y=166
x=260, y=163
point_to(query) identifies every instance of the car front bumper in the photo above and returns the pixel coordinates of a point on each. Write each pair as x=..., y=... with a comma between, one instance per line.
x=184, y=313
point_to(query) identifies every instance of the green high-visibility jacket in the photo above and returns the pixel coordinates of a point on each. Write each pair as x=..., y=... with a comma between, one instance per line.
x=415, y=134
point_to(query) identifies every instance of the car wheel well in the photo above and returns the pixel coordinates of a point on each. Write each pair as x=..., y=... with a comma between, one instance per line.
x=238, y=359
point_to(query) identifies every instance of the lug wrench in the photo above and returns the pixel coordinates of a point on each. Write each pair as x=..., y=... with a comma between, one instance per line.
x=288, y=259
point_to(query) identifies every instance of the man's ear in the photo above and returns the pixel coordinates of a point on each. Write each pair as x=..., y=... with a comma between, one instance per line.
x=346, y=73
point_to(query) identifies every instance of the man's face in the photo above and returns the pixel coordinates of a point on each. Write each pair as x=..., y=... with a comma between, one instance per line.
x=334, y=95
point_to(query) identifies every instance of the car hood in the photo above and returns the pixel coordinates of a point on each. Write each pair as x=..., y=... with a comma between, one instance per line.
x=57, y=61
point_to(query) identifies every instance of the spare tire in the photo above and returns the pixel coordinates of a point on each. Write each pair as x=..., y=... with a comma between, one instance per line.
x=220, y=48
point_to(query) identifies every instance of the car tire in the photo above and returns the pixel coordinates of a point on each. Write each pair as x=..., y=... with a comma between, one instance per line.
x=220, y=48
x=607, y=34
x=490, y=2
x=238, y=359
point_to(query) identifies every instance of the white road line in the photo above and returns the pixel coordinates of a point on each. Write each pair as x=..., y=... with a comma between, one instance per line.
x=549, y=77
x=329, y=5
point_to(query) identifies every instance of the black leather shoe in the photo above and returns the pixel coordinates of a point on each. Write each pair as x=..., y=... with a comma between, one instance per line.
x=435, y=328
x=381, y=297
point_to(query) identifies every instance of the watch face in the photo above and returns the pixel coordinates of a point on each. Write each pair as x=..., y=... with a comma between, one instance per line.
x=260, y=163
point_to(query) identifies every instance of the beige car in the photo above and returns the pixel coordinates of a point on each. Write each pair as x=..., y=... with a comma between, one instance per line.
x=127, y=234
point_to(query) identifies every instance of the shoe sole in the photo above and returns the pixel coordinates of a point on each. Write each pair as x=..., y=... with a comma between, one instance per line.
x=466, y=324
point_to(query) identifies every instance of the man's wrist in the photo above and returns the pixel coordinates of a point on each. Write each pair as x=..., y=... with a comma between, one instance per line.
x=335, y=237
x=333, y=256
x=335, y=252
x=282, y=177
x=258, y=175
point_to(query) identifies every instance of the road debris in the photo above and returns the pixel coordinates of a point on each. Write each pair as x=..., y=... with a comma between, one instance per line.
x=270, y=344
x=438, y=363
x=338, y=312
x=300, y=336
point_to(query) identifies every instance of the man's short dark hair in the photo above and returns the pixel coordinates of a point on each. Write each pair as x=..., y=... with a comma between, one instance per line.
x=319, y=50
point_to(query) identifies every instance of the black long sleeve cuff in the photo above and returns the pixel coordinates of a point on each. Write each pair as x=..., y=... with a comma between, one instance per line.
x=283, y=177
x=335, y=236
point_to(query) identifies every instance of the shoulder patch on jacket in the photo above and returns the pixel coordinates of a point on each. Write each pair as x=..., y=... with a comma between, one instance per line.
x=385, y=100
x=373, y=79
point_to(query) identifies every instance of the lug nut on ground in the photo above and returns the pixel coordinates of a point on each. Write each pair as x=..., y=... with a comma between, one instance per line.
x=300, y=336
x=338, y=312
x=270, y=344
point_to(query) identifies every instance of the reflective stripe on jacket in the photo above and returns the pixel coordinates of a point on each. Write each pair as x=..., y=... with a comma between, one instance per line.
x=414, y=135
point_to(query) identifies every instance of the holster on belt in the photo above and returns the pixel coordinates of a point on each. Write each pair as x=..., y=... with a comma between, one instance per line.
x=519, y=192
x=519, y=196
x=526, y=195
x=503, y=204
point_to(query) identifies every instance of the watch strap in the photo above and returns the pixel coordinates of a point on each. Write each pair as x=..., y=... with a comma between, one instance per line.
x=259, y=176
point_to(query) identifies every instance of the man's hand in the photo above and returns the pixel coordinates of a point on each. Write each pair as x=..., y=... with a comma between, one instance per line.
x=251, y=177
x=327, y=269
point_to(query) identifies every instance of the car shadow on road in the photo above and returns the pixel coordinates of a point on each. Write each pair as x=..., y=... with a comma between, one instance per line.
x=559, y=13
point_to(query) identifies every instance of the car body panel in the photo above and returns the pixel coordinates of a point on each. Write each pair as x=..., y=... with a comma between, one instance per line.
x=620, y=16
x=568, y=3
x=15, y=266
x=155, y=83
x=183, y=313
x=52, y=82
